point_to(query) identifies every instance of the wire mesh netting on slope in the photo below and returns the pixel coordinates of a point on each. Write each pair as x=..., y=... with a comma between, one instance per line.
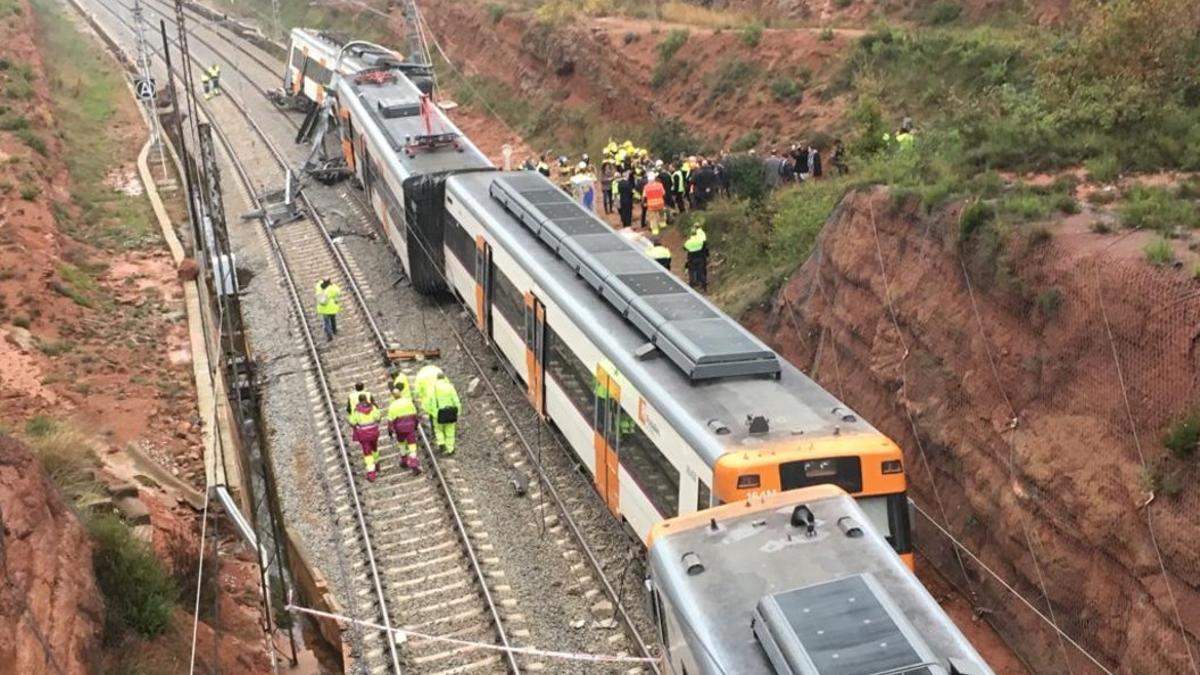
x=1031, y=376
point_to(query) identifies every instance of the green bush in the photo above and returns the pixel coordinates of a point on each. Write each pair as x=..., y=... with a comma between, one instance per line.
x=138, y=592
x=13, y=122
x=747, y=141
x=941, y=13
x=826, y=34
x=671, y=138
x=40, y=426
x=30, y=192
x=1103, y=169
x=1157, y=208
x=786, y=90
x=973, y=218
x=673, y=42
x=31, y=139
x=730, y=77
x=1068, y=205
x=1026, y=205
x=752, y=35
x=1049, y=302
x=1159, y=251
x=1183, y=436
x=842, y=4
x=496, y=13
x=747, y=177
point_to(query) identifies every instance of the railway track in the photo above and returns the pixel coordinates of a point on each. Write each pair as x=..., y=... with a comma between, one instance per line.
x=427, y=563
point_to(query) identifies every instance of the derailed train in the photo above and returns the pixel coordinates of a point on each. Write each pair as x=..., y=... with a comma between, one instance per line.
x=671, y=405
x=794, y=583
x=680, y=415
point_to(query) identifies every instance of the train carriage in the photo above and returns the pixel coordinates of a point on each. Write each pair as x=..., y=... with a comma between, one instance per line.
x=795, y=584
x=312, y=55
x=671, y=405
x=382, y=117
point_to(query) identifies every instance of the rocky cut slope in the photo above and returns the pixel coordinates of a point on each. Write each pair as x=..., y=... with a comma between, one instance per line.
x=1030, y=377
x=51, y=612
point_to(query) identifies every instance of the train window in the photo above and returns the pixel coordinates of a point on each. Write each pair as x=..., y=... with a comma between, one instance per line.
x=507, y=300
x=844, y=472
x=703, y=495
x=460, y=244
x=569, y=373
x=650, y=469
x=297, y=59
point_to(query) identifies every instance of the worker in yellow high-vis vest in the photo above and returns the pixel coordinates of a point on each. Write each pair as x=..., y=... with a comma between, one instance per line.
x=327, y=306
x=444, y=408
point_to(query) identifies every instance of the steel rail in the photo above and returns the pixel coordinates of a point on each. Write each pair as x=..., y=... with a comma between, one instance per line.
x=310, y=343
x=383, y=345
x=593, y=561
x=555, y=497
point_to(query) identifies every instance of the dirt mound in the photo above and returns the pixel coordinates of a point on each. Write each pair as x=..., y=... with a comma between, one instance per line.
x=605, y=70
x=51, y=612
x=1029, y=380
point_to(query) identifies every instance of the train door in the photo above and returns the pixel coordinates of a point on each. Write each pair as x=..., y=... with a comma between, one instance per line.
x=483, y=286
x=607, y=419
x=535, y=352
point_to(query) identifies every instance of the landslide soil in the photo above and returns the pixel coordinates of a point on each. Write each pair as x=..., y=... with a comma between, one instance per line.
x=93, y=339
x=1032, y=428
x=601, y=70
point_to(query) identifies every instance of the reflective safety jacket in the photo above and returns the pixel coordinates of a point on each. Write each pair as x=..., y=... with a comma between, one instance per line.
x=327, y=299
x=696, y=242
x=655, y=195
x=365, y=420
x=352, y=400
x=214, y=72
x=401, y=382
x=402, y=415
x=678, y=182
x=659, y=253
x=423, y=383
x=544, y=169
x=905, y=140
x=442, y=396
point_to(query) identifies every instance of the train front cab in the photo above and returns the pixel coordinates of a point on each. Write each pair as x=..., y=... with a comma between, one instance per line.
x=868, y=467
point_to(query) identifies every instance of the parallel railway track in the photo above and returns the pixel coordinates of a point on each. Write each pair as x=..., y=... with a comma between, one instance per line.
x=422, y=560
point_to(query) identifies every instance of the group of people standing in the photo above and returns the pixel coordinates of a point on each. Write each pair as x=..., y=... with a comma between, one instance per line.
x=438, y=400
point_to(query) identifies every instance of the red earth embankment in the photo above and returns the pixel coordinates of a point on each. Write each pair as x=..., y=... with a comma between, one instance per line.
x=1030, y=380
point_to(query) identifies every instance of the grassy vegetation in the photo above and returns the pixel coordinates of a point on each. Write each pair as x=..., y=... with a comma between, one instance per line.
x=1158, y=209
x=730, y=77
x=669, y=68
x=1159, y=251
x=138, y=591
x=678, y=11
x=85, y=91
x=496, y=12
x=1034, y=99
x=747, y=141
x=786, y=90
x=1182, y=438
x=751, y=35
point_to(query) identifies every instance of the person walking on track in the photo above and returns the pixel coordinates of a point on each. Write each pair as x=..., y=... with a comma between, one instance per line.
x=443, y=407
x=365, y=422
x=352, y=400
x=424, y=380
x=402, y=421
x=327, y=306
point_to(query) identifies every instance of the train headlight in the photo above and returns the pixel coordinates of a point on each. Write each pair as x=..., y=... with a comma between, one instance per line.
x=748, y=481
x=893, y=466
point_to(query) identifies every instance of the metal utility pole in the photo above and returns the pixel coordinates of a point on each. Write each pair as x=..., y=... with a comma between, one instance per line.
x=146, y=89
x=418, y=51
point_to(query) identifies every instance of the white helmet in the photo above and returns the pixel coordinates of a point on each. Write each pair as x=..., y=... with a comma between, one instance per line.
x=582, y=166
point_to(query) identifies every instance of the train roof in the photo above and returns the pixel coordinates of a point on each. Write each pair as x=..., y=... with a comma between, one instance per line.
x=711, y=414
x=390, y=113
x=758, y=594
x=327, y=44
